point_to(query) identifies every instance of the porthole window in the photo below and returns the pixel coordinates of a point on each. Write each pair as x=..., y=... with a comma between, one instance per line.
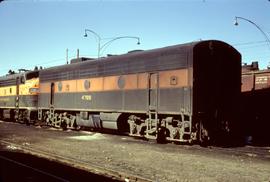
x=67, y=87
x=121, y=82
x=173, y=80
x=60, y=86
x=86, y=84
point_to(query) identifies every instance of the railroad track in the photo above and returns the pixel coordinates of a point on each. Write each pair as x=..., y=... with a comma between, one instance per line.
x=93, y=166
x=24, y=167
x=250, y=151
x=72, y=162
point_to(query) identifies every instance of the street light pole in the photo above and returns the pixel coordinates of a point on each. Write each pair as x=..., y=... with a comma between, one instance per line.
x=264, y=34
x=116, y=38
x=99, y=39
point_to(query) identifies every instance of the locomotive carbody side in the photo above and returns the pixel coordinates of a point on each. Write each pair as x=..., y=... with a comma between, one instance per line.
x=117, y=87
x=116, y=84
x=159, y=94
x=19, y=96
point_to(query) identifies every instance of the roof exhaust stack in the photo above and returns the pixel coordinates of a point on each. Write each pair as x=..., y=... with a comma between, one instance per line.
x=78, y=53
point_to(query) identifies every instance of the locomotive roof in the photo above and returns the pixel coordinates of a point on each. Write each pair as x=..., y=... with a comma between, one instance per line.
x=266, y=71
x=134, y=62
x=10, y=79
x=185, y=46
x=10, y=76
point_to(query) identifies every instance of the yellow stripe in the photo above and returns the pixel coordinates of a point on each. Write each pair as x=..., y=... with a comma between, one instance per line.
x=8, y=91
x=24, y=89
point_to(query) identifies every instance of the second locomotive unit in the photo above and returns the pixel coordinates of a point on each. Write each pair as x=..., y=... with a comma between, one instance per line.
x=19, y=96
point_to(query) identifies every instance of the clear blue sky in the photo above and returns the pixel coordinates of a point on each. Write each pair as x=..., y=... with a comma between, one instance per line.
x=37, y=33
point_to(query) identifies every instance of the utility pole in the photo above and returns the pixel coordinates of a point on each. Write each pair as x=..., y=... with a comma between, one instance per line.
x=67, y=56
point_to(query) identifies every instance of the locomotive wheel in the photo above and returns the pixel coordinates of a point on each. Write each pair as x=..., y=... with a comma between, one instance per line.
x=161, y=135
x=76, y=126
x=204, y=135
x=26, y=121
x=63, y=125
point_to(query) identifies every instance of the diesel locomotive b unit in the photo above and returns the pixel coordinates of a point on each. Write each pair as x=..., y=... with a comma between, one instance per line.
x=180, y=93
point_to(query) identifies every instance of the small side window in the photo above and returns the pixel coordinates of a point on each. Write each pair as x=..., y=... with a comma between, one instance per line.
x=60, y=86
x=121, y=82
x=67, y=88
x=22, y=79
x=33, y=90
x=86, y=84
x=10, y=90
x=173, y=80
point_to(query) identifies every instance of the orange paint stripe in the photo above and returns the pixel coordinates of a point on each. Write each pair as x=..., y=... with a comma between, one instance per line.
x=132, y=82
x=173, y=79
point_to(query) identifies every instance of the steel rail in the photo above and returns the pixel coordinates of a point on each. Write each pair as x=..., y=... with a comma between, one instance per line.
x=86, y=166
x=34, y=169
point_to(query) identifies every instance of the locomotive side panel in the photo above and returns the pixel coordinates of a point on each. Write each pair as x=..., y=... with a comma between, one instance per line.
x=7, y=97
x=174, y=91
x=125, y=93
x=28, y=93
x=118, y=83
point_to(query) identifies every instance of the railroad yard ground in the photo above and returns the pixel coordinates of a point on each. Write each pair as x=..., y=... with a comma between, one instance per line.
x=129, y=159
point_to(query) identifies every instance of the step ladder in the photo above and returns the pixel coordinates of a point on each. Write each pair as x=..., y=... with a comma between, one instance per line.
x=152, y=124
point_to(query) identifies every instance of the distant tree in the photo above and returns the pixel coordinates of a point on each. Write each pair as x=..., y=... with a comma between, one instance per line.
x=11, y=72
x=40, y=68
x=36, y=68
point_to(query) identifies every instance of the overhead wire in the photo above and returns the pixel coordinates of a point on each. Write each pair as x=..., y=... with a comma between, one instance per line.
x=249, y=43
x=240, y=46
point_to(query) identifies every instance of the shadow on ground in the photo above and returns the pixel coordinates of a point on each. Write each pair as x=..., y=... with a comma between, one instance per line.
x=18, y=166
